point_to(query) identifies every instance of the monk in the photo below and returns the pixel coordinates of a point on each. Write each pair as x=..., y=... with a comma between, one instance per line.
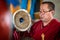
x=48, y=28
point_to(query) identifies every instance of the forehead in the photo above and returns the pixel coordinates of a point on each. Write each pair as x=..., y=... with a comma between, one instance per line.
x=44, y=6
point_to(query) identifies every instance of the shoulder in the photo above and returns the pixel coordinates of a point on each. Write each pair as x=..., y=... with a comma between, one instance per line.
x=36, y=24
x=57, y=22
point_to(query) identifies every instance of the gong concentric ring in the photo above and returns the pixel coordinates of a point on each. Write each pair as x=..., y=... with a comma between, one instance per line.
x=22, y=20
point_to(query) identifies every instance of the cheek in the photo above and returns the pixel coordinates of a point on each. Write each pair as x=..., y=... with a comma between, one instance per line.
x=47, y=16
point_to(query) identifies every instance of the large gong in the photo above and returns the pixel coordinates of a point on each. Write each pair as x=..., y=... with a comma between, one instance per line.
x=22, y=20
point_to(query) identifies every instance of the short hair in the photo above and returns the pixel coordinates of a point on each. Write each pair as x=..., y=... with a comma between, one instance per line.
x=51, y=5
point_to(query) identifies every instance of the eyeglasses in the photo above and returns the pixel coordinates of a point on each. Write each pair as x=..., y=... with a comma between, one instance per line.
x=44, y=11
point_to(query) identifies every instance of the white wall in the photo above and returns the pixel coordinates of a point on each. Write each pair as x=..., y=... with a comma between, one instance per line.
x=57, y=8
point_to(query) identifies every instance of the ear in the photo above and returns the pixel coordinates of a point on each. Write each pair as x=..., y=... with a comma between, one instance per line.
x=53, y=12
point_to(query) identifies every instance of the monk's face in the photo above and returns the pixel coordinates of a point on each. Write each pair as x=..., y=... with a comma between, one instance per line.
x=45, y=13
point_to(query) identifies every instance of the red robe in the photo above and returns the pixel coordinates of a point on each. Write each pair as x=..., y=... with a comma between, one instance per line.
x=51, y=31
x=17, y=35
x=5, y=24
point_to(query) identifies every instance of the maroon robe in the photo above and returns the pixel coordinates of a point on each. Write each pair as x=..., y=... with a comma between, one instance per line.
x=5, y=22
x=51, y=31
x=17, y=35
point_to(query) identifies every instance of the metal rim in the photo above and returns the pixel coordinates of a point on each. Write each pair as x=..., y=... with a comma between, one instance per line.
x=29, y=20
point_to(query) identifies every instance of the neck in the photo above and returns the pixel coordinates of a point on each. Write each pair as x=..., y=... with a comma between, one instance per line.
x=47, y=22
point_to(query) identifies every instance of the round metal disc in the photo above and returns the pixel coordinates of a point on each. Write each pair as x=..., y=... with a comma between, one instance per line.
x=22, y=20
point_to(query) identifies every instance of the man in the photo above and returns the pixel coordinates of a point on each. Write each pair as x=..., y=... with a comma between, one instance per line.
x=47, y=28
